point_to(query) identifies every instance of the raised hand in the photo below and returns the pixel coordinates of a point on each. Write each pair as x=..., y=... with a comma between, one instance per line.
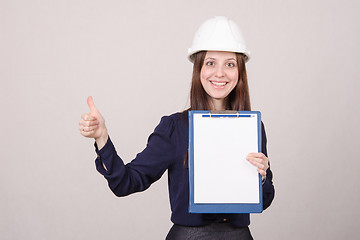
x=92, y=125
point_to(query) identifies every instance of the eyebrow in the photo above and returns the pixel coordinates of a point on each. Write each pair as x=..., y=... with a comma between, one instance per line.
x=210, y=58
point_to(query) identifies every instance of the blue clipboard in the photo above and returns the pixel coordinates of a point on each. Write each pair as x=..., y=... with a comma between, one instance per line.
x=221, y=180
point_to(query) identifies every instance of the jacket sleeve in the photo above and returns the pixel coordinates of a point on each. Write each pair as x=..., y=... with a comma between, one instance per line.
x=147, y=167
x=268, y=187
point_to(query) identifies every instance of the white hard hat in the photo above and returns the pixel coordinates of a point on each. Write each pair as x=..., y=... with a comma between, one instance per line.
x=218, y=34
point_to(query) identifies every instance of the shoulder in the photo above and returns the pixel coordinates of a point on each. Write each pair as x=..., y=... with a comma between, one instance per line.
x=174, y=122
x=179, y=116
x=176, y=118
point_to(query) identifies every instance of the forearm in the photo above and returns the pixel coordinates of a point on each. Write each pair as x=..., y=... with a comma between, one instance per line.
x=101, y=141
x=268, y=190
x=112, y=167
x=146, y=168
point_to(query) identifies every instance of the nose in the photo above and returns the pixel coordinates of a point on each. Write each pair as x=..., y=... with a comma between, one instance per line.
x=219, y=71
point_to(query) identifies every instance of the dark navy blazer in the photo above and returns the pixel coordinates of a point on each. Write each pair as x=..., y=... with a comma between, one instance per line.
x=166, y=150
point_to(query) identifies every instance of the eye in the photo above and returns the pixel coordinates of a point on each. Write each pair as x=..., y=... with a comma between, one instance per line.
x=230, y=64
x=209, y=63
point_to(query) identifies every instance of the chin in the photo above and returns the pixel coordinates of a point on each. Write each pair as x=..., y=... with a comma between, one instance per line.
x=217, y=97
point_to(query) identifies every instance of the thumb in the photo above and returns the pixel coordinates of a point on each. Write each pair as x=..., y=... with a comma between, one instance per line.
x=91, y=105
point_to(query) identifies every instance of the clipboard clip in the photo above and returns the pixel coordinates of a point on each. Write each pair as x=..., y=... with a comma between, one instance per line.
x=226, y=114
x=231, y=112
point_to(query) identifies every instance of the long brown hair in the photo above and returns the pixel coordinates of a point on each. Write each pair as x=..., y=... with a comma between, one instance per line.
x=238, y=99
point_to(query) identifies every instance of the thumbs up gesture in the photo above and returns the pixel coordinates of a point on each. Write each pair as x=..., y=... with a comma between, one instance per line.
x=92, y=125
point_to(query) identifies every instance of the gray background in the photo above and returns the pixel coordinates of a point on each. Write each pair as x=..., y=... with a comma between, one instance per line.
x=131, y=57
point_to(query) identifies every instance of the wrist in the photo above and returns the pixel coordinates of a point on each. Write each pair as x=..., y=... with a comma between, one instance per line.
x=101, y=141
x=263, y=179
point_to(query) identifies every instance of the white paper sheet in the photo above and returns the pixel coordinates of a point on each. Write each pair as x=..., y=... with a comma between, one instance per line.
x=221, y=172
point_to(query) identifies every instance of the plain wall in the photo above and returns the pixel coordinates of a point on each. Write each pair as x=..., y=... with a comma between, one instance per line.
x=131, y=56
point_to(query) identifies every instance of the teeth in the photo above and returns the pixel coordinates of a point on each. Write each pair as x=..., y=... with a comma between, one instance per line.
x=219, y=83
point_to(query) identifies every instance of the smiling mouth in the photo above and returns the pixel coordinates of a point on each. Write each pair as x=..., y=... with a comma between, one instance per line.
x=220, y=84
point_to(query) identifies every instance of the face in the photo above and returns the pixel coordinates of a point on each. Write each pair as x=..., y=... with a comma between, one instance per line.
x=219, y=75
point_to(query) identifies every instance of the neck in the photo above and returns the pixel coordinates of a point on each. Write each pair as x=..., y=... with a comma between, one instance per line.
x=217, y=105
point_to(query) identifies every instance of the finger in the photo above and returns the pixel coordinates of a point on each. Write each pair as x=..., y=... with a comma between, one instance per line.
x=256, y=154
x=87, y=134
x=256, y=159
x=88, y=117
x=259, y=157
x=91, y=105
x=84, y=123
x=257, y=164
x=92, y=123
x=88, y=129
x=262, y=172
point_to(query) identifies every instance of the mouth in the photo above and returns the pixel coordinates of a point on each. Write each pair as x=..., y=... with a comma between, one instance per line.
x=218, y=84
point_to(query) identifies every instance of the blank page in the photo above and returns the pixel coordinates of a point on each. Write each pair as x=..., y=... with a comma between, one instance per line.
x=221, y=172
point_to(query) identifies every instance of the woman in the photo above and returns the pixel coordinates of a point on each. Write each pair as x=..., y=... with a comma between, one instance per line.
x=219, y=82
